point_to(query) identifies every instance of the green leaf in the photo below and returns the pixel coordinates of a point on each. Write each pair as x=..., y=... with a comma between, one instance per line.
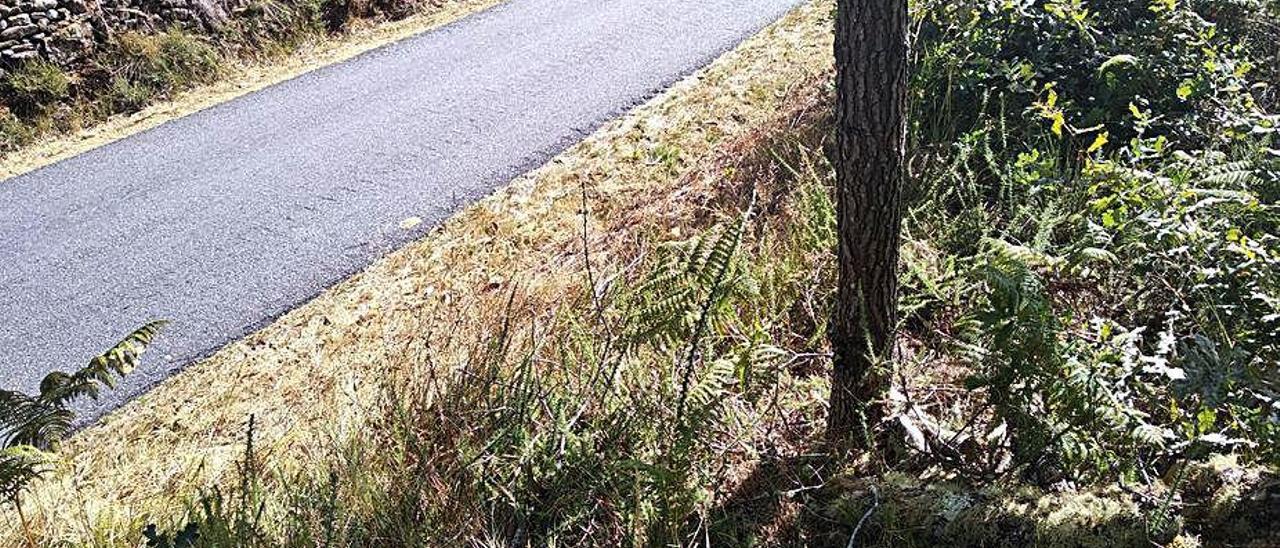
x=1118, y=61
x=1206, y=418
x=1185, y=90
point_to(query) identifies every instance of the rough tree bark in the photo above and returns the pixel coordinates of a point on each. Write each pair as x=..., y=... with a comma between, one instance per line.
x=871, y=106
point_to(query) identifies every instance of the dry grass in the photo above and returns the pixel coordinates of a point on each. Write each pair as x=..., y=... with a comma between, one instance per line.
x=308, y=377
x=240, y=79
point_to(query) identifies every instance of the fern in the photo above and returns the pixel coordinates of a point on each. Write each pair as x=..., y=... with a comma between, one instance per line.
x=19, y=465
x=30, y=424
x=44, y=420
x=1237, y=174
x=705, y=395
x=688, y=276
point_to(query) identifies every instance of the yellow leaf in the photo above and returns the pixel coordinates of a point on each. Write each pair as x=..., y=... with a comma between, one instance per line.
x=1185, y=90
x=1098, y=142
x=1058, y=123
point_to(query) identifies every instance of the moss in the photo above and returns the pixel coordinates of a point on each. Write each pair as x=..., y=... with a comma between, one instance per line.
x=1221, y=503
x=1089, y=519
x=952, y=514
x=1225, y=501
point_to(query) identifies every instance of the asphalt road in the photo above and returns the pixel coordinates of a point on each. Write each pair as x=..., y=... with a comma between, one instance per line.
x=224, y=220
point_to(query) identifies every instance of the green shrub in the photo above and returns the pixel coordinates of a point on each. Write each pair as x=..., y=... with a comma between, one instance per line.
x=1098, y=57
x=1112, y=197
x=143, y=66
x=268, y=28
x=124, y=95
x=13, y=132
x=35, y=87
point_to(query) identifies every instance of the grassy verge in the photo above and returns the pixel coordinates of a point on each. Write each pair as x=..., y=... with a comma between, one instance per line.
x=312, y=380
x=163, y=76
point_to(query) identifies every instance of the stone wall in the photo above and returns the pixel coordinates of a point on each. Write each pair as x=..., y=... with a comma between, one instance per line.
x=31, y=28
x=64, y=31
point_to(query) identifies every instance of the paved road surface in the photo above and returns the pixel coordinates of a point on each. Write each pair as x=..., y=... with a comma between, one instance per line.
x=226, y=219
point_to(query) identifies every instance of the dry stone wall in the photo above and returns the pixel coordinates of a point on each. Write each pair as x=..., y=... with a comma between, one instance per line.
x=64, y=31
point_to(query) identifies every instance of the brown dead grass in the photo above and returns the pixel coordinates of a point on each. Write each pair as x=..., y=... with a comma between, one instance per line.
x=308, y=377
x=240, y=79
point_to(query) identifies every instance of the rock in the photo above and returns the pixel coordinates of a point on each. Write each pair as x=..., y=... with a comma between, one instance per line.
x=20, y=19
x=21, y=31
x=45, y=4
x=21, y=55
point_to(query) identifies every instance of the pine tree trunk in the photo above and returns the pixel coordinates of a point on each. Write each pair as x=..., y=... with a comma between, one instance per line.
x=871, y=103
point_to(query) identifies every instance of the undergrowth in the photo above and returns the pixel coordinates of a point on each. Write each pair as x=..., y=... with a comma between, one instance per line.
x=619, y=417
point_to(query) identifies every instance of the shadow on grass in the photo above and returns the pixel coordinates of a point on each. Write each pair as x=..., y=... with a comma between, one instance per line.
x=782, y=502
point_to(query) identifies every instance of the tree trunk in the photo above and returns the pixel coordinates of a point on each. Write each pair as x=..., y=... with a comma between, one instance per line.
x=22, y=517
x=871, y=104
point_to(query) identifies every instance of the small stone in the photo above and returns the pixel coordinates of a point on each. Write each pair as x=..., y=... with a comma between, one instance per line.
x=19, y=56
x=20, y=19
x=20, y=31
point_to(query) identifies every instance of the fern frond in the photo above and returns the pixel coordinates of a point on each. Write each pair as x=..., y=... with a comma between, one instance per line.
x=19, y=466
x=696, y=257
x=29, y=421
x=16, y=411
x=719, y=260
x=1232, y=179
x=713, y=386
x=59, y=388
